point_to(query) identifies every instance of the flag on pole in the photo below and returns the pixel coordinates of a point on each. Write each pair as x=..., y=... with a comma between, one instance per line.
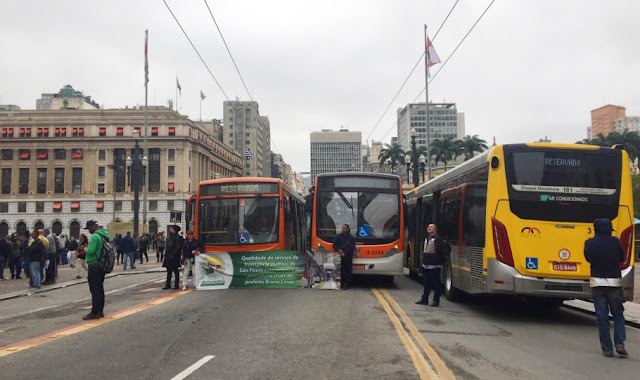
x=432, y=56
x=146, y=60
x=202, y=95
x=247, y=153
x=178, y=86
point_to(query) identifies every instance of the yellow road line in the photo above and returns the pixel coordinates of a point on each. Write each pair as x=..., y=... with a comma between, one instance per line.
x=34, y=342
x=433, y=356
x=148, y=290
x=423, y=368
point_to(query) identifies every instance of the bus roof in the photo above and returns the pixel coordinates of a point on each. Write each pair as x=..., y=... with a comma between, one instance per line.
x=359, y=174
x=240, y=179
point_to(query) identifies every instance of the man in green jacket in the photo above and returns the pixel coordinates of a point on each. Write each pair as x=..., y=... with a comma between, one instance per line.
x=96, y=275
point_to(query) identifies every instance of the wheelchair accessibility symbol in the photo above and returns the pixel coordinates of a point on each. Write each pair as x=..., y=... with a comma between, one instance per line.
x=532, y=263
x=243, y=238
x=363, y=231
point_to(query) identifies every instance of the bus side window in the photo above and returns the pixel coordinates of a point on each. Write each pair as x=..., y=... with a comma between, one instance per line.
x=473, y=214
x=449, y=216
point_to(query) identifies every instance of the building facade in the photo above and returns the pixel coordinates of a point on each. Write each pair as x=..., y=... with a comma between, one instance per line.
x=249, y=134
x=631, y=123
x=602, y=119
x=66, y=98
x=445, y=121
x=60, y=168
x=335, y=151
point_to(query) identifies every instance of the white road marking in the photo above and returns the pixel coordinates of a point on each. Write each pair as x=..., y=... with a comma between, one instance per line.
x=193, y=368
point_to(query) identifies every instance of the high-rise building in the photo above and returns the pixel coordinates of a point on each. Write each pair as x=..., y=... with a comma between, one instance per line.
x=60, y=168
x=631, y=123
x=335, y=151
x=602, y=119
x=249, y=134
x=445, y=121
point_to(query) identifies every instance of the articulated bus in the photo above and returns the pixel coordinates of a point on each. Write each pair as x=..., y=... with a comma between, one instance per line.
x=517, y=217
x=371, y=204
x=248, y=214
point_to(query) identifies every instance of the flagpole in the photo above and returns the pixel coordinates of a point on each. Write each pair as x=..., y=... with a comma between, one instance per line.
x=176, y=94
x=201, y=106
x=146, y=127
x=426, y=81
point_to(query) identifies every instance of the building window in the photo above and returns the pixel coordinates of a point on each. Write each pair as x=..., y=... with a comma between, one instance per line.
x=25, y=132
x=171, y=187
x=41, y=185
x=169, y=205
x=154, y=131
x=118, y=206
x=60, y=132
x=77, y=132
x=4, y=207
x=7, y=154
x=101, y=188
x=22, y=206
x=171, y=171
x=6, y=181
x=7, y=132
x=101, y=171
x=25, y=154
x=43, y=132
x=39, y=206
x=172, y=154
x=119, y=131
x=76, y=181
x=23, y=181
x=59, y=181
x=137, y=129
x=75, y=206
x=102, y=131
x=43, y=154
x=172, y=131
x=60, y=154
x=119, y=159
x=102, y=154
x=153, y=205
x=154, y=170
x=57, y=206
x=100, y=206
x=76, y=154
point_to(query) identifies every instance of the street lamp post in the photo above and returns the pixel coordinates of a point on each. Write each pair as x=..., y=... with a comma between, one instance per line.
x=422, y=160
x=407, y=161
x=136, y=173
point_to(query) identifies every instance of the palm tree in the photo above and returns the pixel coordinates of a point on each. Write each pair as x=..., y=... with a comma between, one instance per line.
x=392, y=154
x=445, y=150
x=470, y=145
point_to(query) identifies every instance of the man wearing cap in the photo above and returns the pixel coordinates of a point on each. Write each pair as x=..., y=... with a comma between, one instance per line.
x=605, y=254
x=96, y=275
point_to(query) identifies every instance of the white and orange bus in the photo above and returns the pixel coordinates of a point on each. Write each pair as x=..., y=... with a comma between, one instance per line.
x=371, y=204
x=248, y=214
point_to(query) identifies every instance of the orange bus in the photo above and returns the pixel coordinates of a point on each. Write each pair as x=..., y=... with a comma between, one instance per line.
x=371, y=204
x=247, y=214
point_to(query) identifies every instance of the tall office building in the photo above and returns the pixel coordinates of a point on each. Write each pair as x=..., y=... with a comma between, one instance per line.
x=335, y=151
x=249, y=134
x=602, y=119
x=445, y=121
x=632, y=123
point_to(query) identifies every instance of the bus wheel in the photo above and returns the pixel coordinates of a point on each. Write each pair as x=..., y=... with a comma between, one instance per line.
x=450, y=291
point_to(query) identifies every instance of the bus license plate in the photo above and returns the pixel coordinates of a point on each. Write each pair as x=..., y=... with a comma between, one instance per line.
x=358, y=266
x=565, y=267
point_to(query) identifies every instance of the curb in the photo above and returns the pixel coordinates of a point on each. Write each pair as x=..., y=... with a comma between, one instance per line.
x=30, y=292
x=586, y=310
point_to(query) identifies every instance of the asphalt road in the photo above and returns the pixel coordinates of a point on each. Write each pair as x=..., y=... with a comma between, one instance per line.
x=297, y=333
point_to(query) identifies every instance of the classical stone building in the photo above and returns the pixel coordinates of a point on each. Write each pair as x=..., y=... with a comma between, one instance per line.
x=60, y=168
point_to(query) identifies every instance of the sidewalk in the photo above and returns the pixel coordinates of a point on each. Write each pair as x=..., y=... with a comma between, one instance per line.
x=67, y=275
x=631, y=310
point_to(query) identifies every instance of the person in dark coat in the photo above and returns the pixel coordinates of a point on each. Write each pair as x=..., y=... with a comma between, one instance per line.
x=36, y=252
x=433, y=258
x=605, y=253
x=344, y=243
x=129, y=250
x=172, y=256
x=190, y=249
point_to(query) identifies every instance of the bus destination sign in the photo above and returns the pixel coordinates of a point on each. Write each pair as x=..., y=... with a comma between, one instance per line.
x=239, y=188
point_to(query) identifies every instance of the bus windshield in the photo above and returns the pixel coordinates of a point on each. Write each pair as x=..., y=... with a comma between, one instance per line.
x=558, y=185
x=373, y=216
x=231, y=221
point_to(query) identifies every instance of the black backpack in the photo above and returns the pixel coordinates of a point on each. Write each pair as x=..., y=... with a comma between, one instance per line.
x=107, y=256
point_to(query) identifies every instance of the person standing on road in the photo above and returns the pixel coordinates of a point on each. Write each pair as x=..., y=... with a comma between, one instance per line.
x=80, y=256
x=190, y=249
x=344, y=243
x=172, y=256
x=72, y=251
x=129, y=250
x=15, y=260
x=161, y=244
x=36, y=252
x=5, y=253
x=52, y=257
x=143, y=245
x=605, y=253
x=155, y=241
x=96, y=275
x=433, y=257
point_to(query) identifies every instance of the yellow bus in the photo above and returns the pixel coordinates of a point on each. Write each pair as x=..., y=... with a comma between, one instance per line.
x=517, y=217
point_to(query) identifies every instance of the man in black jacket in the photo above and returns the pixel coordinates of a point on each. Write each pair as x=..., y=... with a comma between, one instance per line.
x=344, y=243
x=432, y=259
x=605, y=254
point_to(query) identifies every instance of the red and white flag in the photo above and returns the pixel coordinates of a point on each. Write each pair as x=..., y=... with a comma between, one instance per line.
x=432, y=56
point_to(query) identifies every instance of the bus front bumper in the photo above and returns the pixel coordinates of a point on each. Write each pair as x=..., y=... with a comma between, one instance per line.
x=504, y=279
x=387, y=266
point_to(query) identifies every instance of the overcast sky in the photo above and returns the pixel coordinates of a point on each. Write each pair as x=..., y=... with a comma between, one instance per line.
x=529, y=69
